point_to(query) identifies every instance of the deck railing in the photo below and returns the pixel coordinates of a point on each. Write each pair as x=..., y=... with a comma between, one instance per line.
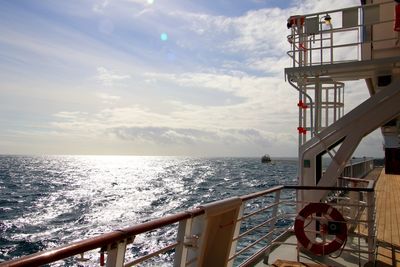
x=355, y=200
x=239, y=231
x=358, y=167
x=112, y=244
x=339, y=36
x=262, y=212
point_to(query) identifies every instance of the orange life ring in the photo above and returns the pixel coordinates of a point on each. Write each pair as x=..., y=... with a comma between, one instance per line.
x=334, y=215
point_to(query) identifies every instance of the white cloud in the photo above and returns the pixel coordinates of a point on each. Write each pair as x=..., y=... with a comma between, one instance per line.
x=239, y=84
x=312, y=6
x=108, y=77
x=68, y=114
x=270, y=65
x=108, y=99
x=100, y=5
x=171, y=136
x=256, y=33
x=178, y=131
x=260, y=32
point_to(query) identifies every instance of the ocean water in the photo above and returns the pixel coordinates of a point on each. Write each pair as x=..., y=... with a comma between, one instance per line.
x=48, y=201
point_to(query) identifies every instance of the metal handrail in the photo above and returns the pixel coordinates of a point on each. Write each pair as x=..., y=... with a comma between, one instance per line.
x=151, y=255
x=368, y=189
x=262, y=193
x=258, y=211
x=100, y=241
x=251, y=261
x=329, y=188
x=253, y=229
x=299, y=37
x=252, y=244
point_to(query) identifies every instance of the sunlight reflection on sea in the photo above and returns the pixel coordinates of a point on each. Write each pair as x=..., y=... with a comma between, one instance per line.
x=46, y=201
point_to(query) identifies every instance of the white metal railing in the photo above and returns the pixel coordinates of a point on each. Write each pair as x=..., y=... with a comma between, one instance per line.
x=358, y=167
x=261, y=212
x=321, y=100
x=361, y=225
x=110, y=249
x=337, y=36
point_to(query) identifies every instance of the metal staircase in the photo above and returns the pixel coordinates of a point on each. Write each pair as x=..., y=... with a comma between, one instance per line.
x=349, y=130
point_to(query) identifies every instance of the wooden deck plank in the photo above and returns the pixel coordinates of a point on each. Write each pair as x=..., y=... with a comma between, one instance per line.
x=380, y=204
x=396, y=237
x=387, y=235
x=388, y=218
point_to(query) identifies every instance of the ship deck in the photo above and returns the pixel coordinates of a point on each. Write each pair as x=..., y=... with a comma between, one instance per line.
x=388, y=219
x=388, y=232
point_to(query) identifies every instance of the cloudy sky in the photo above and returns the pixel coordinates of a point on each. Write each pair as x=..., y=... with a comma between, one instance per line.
x=151, y=77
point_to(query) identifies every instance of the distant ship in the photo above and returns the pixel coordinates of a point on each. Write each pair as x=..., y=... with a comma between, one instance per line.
x=265, y=159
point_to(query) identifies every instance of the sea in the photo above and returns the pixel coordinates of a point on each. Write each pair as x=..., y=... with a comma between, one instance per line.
x=48, y=201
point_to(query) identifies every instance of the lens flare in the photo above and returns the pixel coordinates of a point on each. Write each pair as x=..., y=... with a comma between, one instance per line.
x=150, y=2
x=164, y=36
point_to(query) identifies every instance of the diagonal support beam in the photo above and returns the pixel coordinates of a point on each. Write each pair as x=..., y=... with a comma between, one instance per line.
x=351, y=128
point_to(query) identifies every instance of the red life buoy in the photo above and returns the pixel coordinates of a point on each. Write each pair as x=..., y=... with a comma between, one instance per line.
x=334, y=215
x=295, y=20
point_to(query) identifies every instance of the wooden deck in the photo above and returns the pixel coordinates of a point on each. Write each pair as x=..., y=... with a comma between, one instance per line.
x=388, y=219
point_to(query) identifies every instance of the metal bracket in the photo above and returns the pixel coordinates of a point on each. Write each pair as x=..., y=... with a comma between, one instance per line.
x=81, y=258
x=191, y=241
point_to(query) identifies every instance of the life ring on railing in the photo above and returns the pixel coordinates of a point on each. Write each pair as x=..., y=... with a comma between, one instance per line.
x=337, y=225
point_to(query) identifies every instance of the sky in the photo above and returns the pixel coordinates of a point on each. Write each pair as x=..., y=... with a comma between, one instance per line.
x=152, y=77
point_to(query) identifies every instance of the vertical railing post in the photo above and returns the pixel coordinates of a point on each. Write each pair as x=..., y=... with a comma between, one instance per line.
x=354, y=201
x=293, y=31
x=318, y=105
x=192, y=235
x=235, y=235
x=334, y=106
x=331, y=39
x=372, y=164
x=365, y=167
x=272, y=223
x=351, y=168
x=181, y=250
x=116, y=253
x=274, y=214
x=371, y=225
x=321, y=45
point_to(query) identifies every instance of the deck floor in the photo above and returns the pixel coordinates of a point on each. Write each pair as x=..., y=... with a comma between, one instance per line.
x=388, y=219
